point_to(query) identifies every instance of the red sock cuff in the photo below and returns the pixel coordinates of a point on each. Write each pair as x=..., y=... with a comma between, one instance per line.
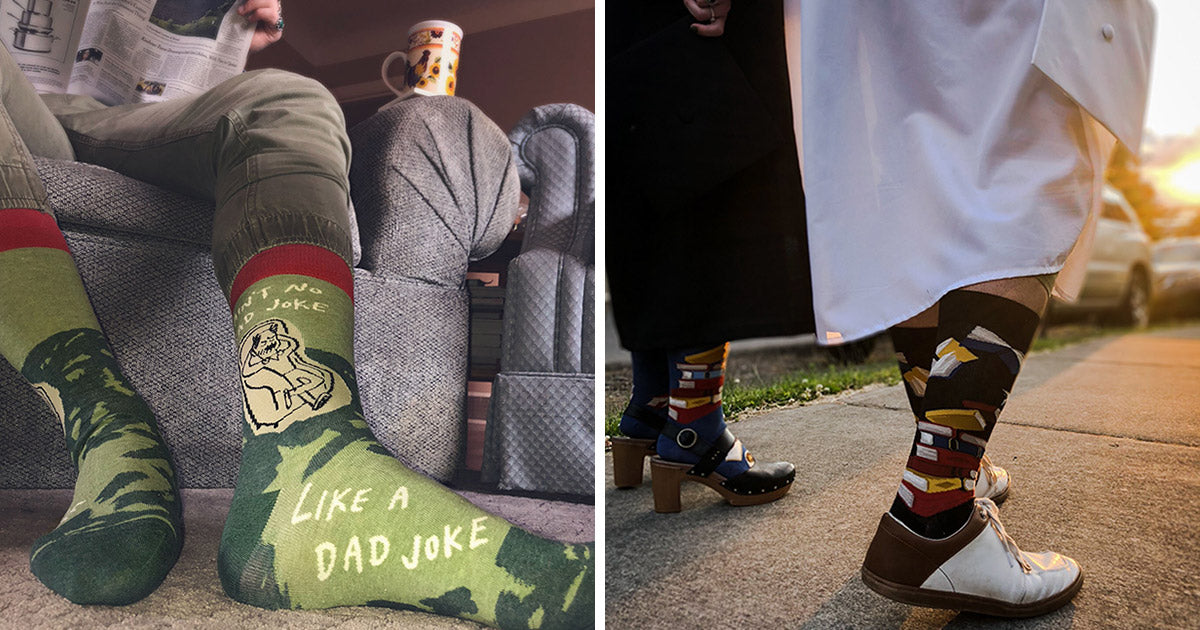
x=301, y=260
x=20, y=227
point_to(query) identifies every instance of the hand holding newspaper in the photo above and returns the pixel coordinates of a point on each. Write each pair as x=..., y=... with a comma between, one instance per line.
x=125, y=51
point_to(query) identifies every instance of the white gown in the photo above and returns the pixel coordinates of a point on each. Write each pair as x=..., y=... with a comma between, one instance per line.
x=938, y=152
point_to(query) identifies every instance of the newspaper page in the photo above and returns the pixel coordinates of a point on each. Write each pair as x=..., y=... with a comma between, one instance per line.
x=153, y=50
x=42, y=37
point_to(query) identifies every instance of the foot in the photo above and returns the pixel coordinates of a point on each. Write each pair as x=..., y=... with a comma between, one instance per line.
x=978, y=569
x=723, y=465
x=122, y=533
x=324, y=516
x=993, y=482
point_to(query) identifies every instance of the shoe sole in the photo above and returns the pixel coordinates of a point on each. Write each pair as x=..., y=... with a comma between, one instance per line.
x=667, y=476
x=927, y=598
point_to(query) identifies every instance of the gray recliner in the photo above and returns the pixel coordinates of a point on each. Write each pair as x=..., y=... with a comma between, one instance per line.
x=541, y=425
x=434, y=185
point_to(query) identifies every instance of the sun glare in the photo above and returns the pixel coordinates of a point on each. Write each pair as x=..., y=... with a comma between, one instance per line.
x=1181, y=181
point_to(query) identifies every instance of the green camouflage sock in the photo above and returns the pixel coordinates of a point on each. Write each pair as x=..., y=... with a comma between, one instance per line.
x=324, y=516
x=122, y=533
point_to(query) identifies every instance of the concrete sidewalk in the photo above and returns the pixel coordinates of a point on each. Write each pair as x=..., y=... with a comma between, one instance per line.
x=1103, y=443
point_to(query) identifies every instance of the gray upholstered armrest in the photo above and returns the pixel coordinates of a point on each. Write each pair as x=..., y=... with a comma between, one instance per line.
x=541, y=427
x=434, y=187
x=549, y=324
x=556, y=155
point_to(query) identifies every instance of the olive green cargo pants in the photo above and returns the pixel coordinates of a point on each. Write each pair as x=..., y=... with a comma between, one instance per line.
x=268, y=148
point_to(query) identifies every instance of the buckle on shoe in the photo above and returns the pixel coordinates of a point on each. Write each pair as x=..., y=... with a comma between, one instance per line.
x=686, y=438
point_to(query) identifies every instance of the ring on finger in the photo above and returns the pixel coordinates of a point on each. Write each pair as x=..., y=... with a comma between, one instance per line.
x=712, y=15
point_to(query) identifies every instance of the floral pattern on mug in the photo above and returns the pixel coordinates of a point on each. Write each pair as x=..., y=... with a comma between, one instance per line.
x=432, y=71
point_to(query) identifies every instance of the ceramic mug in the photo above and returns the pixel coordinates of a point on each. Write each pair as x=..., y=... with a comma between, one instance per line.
x=431, y=61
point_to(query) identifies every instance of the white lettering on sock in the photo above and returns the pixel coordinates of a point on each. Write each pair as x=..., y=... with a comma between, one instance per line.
x=359, y=497
x=431, y=548
x=325, y=569
x=320, y=504
x=336, y=502
x=416, y=555
x=297, y=517
x=377, y=557
x=476, y=527
x=295, y=305
x=355, y=550
x=450, y=539
x=401, y=495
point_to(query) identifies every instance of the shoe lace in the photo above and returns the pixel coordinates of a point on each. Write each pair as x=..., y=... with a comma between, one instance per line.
x=992, y=514
x=988, y=470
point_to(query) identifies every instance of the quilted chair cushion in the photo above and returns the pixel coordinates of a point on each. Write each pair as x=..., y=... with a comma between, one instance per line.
x=541, y=427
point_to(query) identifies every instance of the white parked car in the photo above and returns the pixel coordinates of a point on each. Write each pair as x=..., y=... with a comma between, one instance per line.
x=1177, y=276
x=1119, y=281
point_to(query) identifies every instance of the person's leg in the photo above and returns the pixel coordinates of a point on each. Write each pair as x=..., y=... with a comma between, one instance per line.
x=322, y=514
x=982, y=335
x=28, y=118
x=915, y=341
x=325, y=516
x=934, y=546
x=122, y=532
x=695, y=444
x=274, y=165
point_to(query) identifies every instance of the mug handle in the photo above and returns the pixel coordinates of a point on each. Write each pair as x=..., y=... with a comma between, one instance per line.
x=383, y=72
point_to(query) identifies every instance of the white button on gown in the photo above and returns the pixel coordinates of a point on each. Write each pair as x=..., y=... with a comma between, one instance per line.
x=949, y=143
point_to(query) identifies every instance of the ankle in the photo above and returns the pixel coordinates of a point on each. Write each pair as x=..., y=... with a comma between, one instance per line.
x=936, y=526
x=642, y=421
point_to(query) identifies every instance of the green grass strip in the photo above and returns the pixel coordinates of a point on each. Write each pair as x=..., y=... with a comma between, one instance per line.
x=803, y=386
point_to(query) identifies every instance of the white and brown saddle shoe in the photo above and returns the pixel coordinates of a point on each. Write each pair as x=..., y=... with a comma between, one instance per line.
x=977, y=569
x=992, y=483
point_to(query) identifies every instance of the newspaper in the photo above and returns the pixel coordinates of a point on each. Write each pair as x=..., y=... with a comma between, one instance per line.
x=126, y=51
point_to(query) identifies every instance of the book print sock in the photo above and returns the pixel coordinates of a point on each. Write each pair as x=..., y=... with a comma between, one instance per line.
x=122, y=533
x=646, y=412
x=696, y=417
x=982, y=341
x=324, y=516
x=915, y=348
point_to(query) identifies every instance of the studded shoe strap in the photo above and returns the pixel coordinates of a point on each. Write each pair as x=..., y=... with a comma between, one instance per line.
x=715, y=455
x=711, y=454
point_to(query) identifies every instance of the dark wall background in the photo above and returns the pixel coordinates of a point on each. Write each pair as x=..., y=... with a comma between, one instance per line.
x=506, y=71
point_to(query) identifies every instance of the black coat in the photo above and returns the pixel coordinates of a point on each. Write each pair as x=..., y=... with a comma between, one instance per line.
x=705, y=230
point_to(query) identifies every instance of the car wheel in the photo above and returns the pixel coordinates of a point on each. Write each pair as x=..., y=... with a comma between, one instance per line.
x=1135, y=308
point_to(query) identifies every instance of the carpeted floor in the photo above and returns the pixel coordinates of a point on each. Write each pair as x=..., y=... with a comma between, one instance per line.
x=191, y=596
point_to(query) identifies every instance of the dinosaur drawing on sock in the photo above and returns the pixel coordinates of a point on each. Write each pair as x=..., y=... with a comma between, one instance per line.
x=281, y=383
